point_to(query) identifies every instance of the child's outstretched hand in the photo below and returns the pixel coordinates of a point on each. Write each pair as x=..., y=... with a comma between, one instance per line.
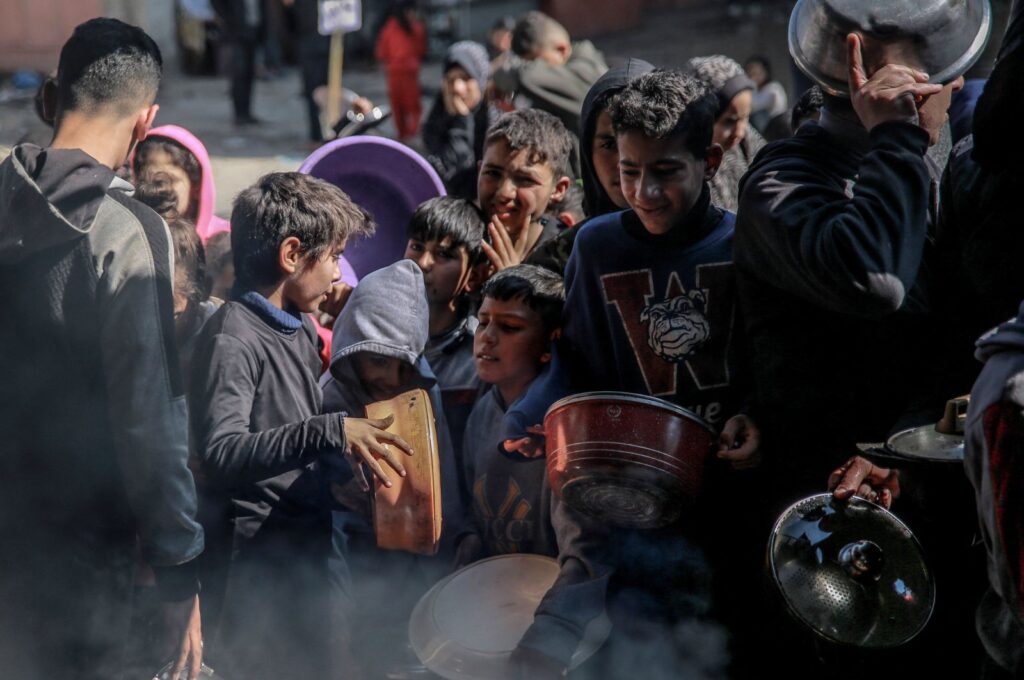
x=530, y=446
x=366, y=443
x=740, y=442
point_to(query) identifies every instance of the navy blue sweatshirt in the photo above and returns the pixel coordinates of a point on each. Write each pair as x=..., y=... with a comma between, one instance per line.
x=655, y=314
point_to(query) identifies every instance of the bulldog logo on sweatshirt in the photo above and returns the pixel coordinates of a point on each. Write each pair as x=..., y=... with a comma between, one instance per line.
x=679, y=337
x=676, y=328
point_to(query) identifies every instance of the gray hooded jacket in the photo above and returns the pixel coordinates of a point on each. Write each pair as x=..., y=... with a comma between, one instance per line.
x=388, y=315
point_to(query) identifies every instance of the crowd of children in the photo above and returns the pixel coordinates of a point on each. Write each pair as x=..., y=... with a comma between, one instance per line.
x=651, y=247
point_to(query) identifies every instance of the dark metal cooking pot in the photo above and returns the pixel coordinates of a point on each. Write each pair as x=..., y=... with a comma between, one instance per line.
x=633, y=460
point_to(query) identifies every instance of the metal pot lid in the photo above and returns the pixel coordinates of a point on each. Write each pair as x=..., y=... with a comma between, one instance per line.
x=469, y=623
x=851, y=572
x=942, y=37
x=925, y=443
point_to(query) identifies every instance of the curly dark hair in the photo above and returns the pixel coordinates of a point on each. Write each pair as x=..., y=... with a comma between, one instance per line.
x=285, y=204
x=544, y=135
x=181, y=156
x=666, y=103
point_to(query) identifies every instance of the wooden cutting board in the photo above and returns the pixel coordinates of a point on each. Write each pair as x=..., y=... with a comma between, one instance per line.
x=407, y=516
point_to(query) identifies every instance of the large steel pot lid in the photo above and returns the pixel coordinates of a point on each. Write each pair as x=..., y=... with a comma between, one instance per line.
x=468, y=624
x=851, y=572
x=942, y=37
x=927, y=444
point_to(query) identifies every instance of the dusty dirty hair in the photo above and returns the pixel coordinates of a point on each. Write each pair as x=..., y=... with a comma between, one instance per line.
x=542, y=134
x=285, y=204
x=666, y=103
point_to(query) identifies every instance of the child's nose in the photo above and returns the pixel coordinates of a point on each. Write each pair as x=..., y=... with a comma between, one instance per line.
x=425, y=261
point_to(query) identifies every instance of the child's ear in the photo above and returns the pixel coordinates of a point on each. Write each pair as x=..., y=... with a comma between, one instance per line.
x=567, y=218
x=561, y=186
x=289, y=255
x=48, y=100
x=712, y=159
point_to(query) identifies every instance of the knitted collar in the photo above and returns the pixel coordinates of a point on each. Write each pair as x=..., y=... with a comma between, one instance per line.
x=281, y=320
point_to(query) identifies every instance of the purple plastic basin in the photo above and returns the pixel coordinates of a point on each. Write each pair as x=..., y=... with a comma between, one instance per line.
x=386, y=178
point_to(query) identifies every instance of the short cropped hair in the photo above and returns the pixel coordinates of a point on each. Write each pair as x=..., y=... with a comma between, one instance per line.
x=448, y=217
x=534, y=31
x=285, y=204
x=108, y=63
x=666, y=103
x=807, y=107
x=542, y=134
x=539, y=289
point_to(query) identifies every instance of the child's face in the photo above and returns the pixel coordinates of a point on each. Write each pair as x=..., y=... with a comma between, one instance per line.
x=445, y=268
x=159, y=161
x=312, y=281
x=382, y=377
x=661, y=179
x=510, y=343
x=513, y=188
x=604, y=156
x=731, y=126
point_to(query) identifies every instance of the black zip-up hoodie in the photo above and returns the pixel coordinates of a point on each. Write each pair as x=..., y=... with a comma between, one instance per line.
x=93, y=438
x=831, y=237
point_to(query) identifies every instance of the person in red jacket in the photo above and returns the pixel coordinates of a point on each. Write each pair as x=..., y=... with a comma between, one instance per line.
x=401, y=46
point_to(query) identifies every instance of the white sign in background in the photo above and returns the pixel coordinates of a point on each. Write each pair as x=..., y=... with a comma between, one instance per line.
x=340, y=15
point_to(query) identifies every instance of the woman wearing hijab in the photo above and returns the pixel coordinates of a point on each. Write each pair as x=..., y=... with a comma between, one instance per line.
x=599, y=158
x=457, y=124
x=735, y=91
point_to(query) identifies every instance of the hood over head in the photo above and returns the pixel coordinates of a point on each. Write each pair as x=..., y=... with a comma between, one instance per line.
x=1008, y=336
x=387, y=314
x=207, y=224
x=471, y=56
x=723, y=75
x=49, y=197
x=595, y=199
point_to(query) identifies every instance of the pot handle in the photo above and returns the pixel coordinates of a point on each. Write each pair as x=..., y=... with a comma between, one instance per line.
x=954, y=418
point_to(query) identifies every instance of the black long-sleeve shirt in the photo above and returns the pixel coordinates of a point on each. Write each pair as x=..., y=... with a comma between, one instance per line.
x=832, y=253
x=256, y=421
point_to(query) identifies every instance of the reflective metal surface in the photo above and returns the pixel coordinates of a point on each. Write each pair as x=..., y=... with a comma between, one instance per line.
x=926, y=443
x=631, y=460
x=468, y=624
x=941, y=37
x=851, y=572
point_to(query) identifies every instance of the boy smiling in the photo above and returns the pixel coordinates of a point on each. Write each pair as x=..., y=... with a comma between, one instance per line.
x=523, y=172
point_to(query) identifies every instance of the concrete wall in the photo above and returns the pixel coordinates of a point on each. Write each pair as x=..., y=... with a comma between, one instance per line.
x=33, y=31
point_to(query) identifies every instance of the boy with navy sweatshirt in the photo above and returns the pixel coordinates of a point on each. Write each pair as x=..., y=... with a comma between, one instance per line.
x=649, y=310
x=259, y=433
